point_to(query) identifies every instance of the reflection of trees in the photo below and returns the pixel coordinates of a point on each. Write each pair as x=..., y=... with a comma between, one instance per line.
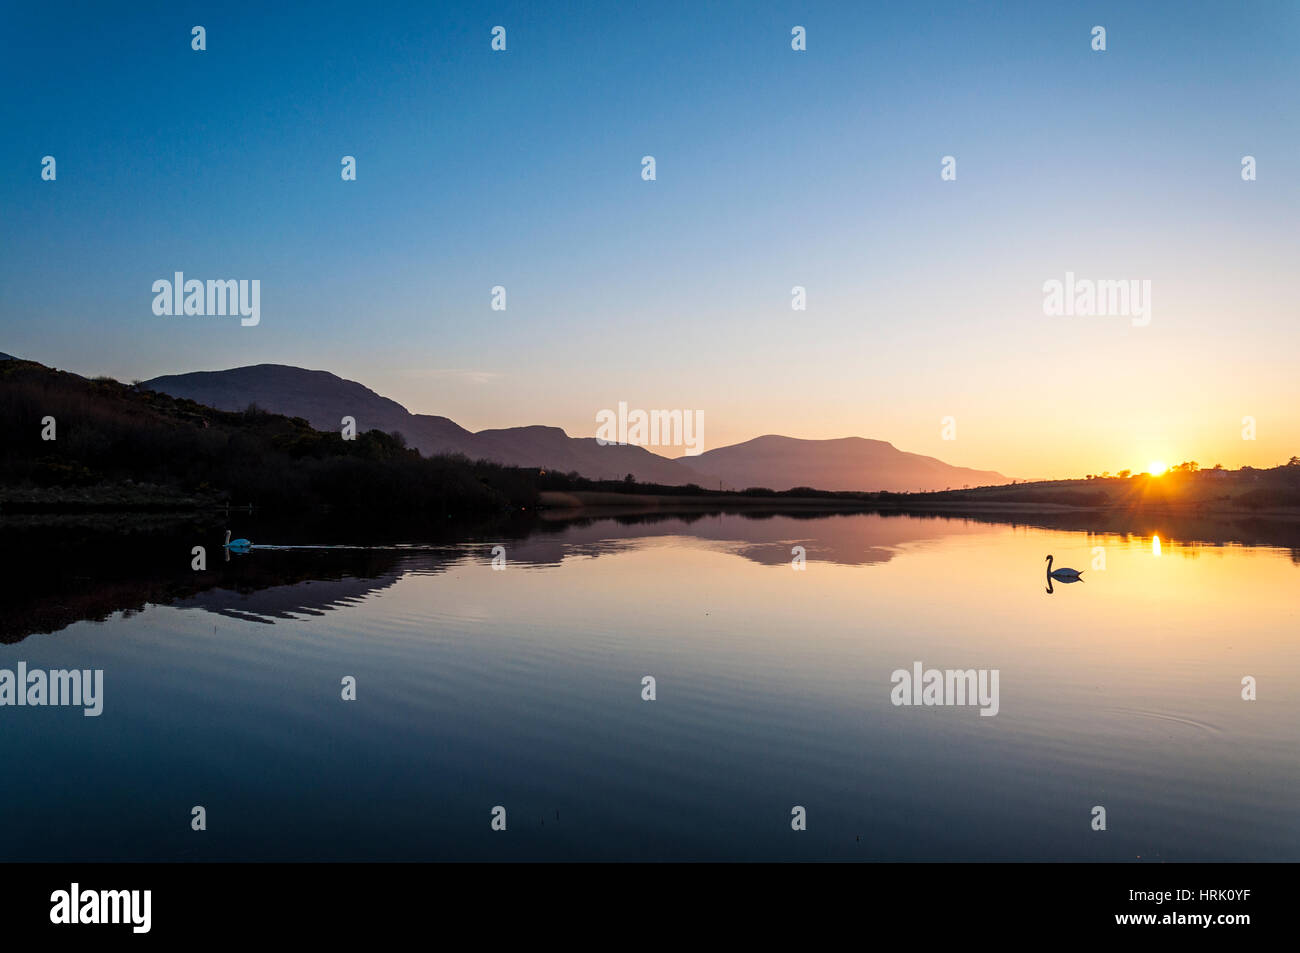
x=75, y=577
x=1214, y=529
x=87, y=571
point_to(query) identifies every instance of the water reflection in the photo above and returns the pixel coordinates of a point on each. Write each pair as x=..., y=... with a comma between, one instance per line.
x=523, y=688
x=75, y=571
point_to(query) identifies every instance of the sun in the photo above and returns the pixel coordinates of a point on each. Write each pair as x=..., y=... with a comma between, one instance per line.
x=1156, y=467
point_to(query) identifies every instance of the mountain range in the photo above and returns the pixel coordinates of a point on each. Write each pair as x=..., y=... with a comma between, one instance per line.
x=776, y=462
x=846, y=463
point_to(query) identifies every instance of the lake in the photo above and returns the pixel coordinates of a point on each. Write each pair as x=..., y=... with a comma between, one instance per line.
x=522, y=687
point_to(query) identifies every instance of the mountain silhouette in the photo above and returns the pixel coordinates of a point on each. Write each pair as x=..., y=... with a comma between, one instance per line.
x=778, y=463
x=847, y=463
x=324, y=399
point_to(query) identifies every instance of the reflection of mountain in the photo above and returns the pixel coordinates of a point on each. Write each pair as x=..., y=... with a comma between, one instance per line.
x=289, y=601
x=863, y=538
x=849, y=539
x=73, y=573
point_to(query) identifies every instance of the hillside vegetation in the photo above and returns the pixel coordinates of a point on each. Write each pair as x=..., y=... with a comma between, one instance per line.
x=120, y=446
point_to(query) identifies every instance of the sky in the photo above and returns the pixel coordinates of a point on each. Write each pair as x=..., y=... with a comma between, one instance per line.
x=775, y=168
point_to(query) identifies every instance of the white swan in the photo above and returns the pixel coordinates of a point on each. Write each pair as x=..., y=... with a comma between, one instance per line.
x=236, y=545
x=1064, y=574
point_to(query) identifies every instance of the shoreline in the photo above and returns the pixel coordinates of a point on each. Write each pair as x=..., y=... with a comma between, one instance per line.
x=564, y=504
x=595, y=501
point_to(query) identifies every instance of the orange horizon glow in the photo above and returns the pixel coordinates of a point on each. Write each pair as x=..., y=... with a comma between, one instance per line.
x=951, y=454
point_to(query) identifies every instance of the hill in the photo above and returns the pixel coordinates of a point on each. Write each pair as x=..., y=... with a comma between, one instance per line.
x=848, y=463
x=120, y=446
x=323, y=399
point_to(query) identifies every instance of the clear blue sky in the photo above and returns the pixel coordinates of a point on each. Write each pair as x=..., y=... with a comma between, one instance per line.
x=775, y=169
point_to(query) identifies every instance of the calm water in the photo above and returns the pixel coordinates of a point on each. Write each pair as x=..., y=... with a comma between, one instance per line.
x=522, y=688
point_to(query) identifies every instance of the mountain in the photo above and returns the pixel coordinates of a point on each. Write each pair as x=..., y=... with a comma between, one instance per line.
x=324, y=399
x=779, y=463
x=319, y=397
x=849, y=463
x=122, y=447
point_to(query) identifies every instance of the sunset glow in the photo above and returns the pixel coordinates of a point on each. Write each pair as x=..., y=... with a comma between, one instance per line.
x=1157, y=467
